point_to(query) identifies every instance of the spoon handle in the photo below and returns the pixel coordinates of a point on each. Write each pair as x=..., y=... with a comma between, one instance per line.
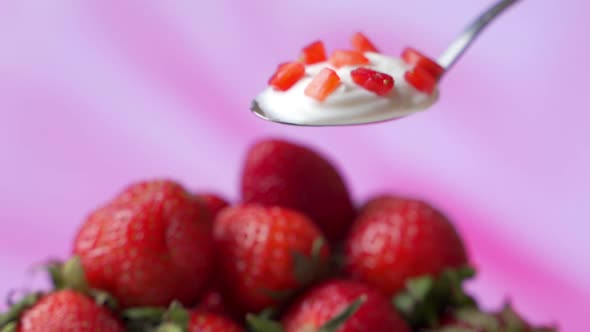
x=468, y=36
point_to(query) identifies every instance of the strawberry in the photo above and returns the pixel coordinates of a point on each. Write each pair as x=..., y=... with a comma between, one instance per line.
x=325, y=301
x=287, y=75
x=265, y=254
x=395, y=239
x=421, y=79
x=361, y=43
x=212, y=301
x=150, y=245
x=211, y=322
x=313, y=53
x=341, y=58
x=379, y=83
x=64, y=310
x=323, y=84
x=214, y=203
x=281, y=173
x=413, y=57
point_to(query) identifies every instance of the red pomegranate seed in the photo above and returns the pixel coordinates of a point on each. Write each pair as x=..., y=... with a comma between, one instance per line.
x=374, y=81
x=287, y=75
x=361, y=43
x=421, y=79
x=313, y=53
x=342, y=58
x=413, y=57
x=323, y=84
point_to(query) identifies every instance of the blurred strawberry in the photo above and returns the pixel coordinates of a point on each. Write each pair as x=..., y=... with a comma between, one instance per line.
x=265, y=254
x=149, y=246
x=211, y=322
x=323, y=303
x=64, y=310
x=285, y=174
x=395, y=239
x=212, y=301
x=213, y=202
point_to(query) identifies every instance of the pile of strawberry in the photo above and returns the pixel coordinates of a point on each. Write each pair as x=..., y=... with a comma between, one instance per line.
x=423, y=76
x=294, y=255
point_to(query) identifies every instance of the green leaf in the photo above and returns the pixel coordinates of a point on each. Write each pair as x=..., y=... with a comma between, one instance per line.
x=260, y=324
x=74, y=276
x=316, y=249
x=10, y=327
x=13, y=314
x=303, y=268
x=454, y=329
x=144, y=313
x=476, y=318
x=404, y=302
x=177, y=315
x=170, y=327
x=68, y=275
x=268, y=313
x=420, y=287
x=335, y=323
x=309, y=268
x=425, y=297
x=104, y=299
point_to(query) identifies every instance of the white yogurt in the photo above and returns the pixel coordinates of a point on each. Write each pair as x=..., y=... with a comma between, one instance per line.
x=350, y=103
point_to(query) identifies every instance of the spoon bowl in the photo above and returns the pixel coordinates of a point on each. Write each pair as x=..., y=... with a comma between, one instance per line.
x=295, y=111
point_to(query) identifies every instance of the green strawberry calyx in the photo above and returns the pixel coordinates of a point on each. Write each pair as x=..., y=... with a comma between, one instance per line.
x=474, y=320
x=425, y=298
x=64, y=275
x=307, y=269
x=175, y=318
x=70, y=275
x=9, y=319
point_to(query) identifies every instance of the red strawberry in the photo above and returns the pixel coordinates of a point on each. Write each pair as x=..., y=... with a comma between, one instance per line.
x=210, y=322
x=322, y=85
x=361, y=43
x=395, y=239
x=371, y=80
x=265, y=253
x=280, y=173
x=68, y=310
x=213, y=202
x=313, y=53
x=421, y=79
x=212, y=301
x=287, y=75
x=149, y=246
x=325, y=301
x=341, y=58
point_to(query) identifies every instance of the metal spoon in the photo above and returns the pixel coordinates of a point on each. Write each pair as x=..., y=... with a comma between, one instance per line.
x=448, y=58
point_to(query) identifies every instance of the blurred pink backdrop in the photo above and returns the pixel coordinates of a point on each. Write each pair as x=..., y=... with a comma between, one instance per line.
x=97, y=94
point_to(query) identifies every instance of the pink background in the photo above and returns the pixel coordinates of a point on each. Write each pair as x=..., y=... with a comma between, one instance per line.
x=97, y=94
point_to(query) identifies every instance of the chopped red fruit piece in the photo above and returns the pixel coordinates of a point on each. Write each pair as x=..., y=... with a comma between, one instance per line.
x=347, y=58
x=287, y=75
x=413, y=57
x=361, y=43
x=323, y=84
x=314, y=53
x=374, y=81
x=421, y=79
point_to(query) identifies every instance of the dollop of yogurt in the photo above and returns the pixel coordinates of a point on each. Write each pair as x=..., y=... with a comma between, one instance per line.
x=349, y=103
